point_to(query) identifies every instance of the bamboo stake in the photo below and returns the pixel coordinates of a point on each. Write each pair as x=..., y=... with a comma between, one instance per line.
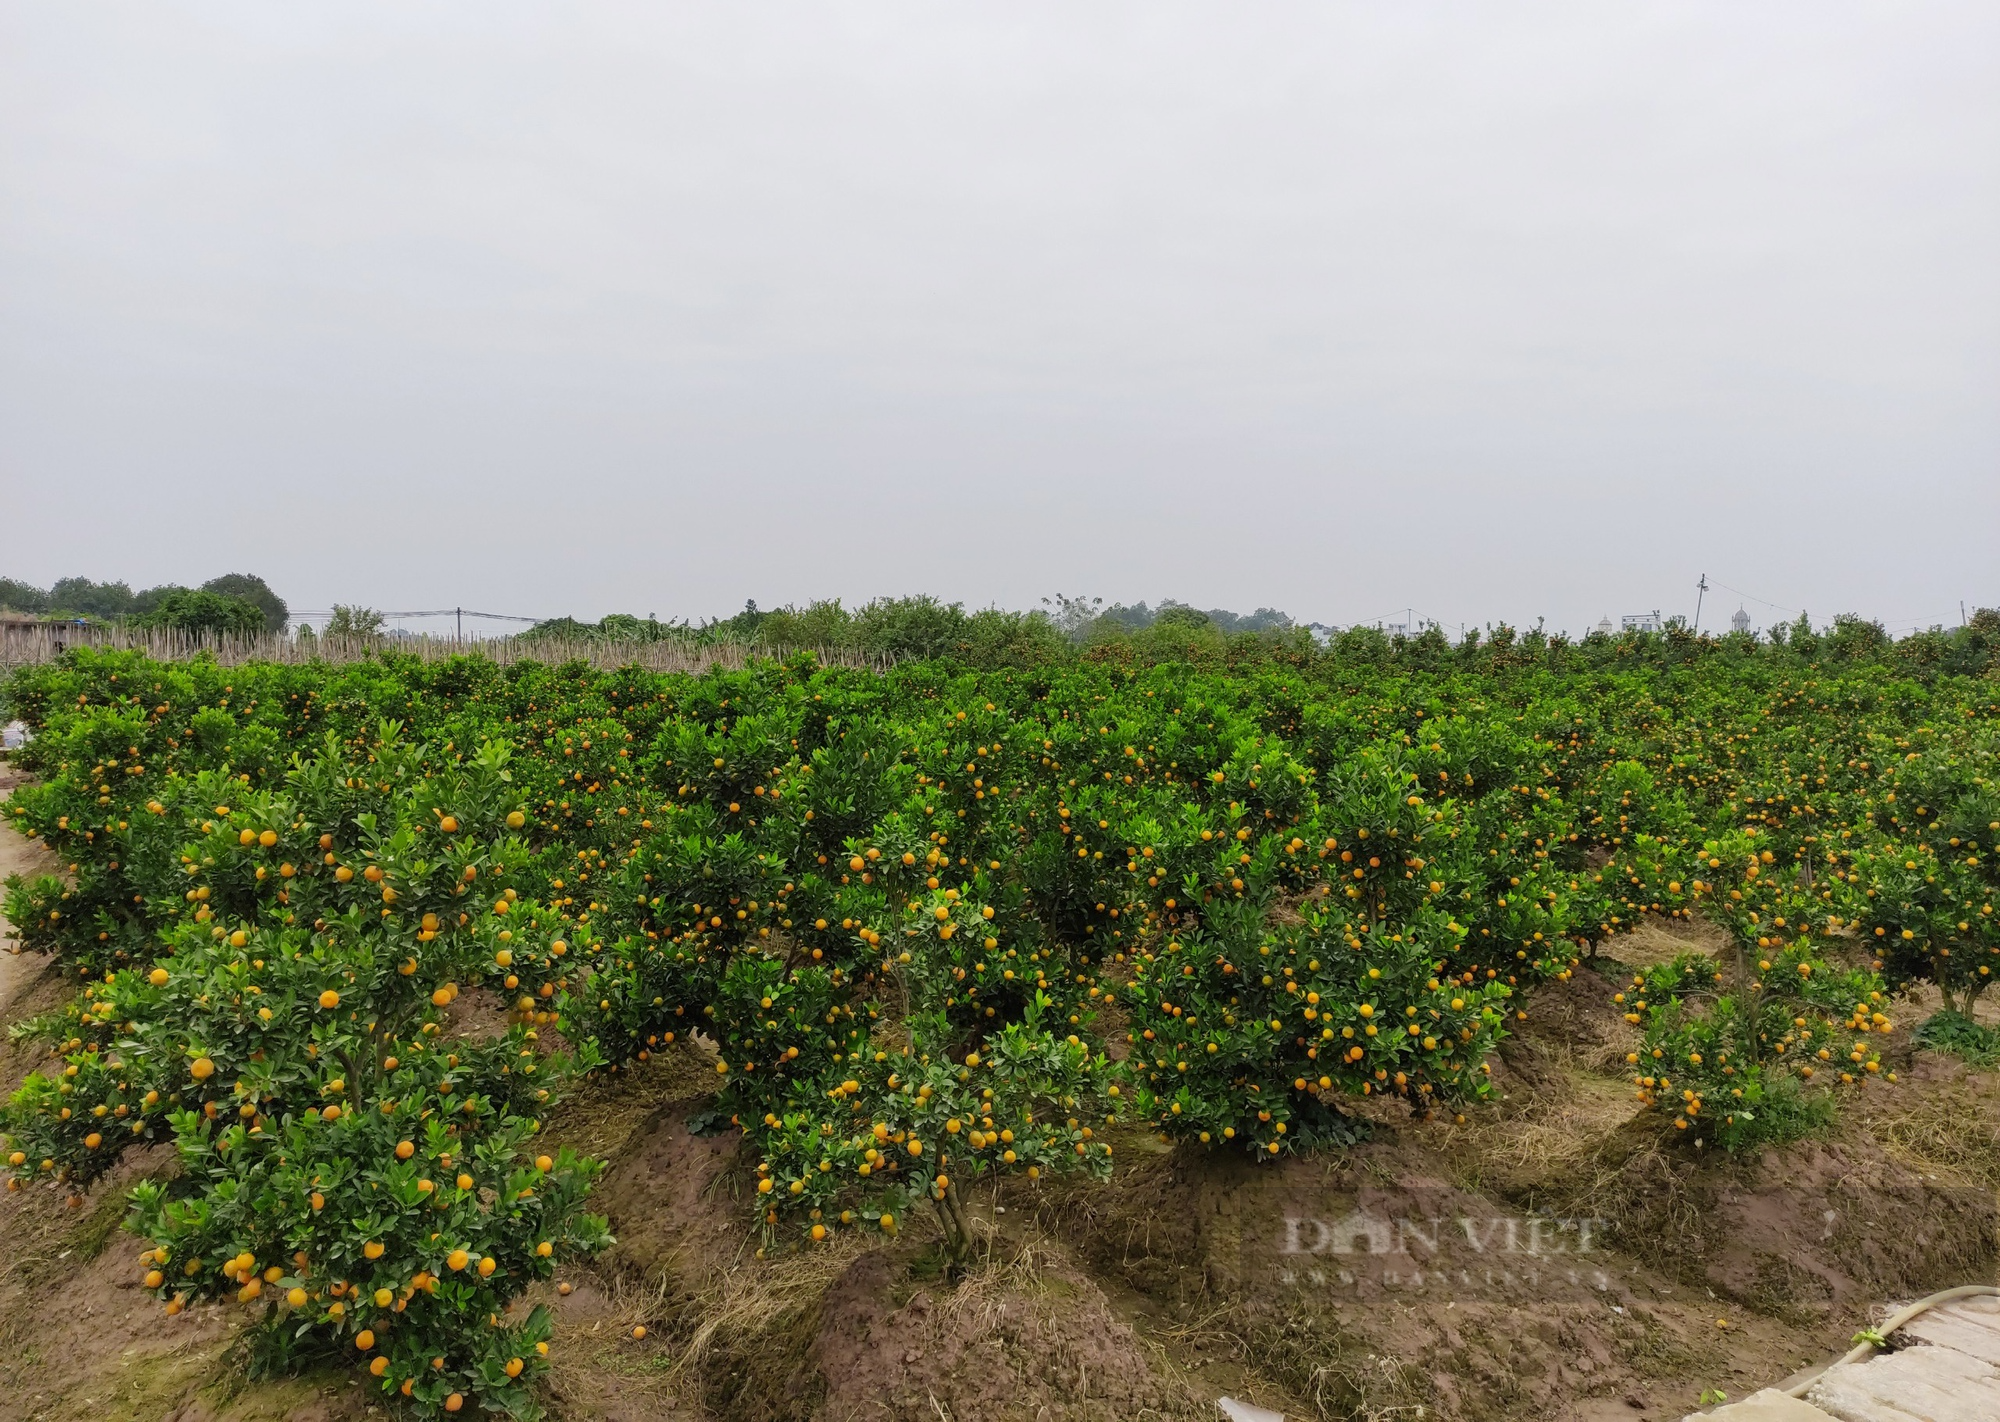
x=25, y=644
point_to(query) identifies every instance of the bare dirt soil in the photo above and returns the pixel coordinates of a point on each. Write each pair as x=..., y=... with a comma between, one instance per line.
x=1551, y=1258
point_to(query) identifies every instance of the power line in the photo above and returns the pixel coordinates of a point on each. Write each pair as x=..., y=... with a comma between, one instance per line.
x=1764, y=602
x=429, y=612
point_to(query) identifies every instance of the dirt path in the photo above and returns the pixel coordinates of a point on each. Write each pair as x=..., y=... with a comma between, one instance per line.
x=18, y=855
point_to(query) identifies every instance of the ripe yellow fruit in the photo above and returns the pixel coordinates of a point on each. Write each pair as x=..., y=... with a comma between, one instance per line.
x=329, y=999
x=639, y=1331
x=365, y=1339
x=516, y=819
x=457, y=1259
x=464, y=1181
x=158, y=977
x=296, y=1298
x=404, y=1149
x=331, y=1113
x=154, y=1278
x=379, y=1366
x=544, y=1249
x=384, y=1297
x=202, y=1068
x=543, y=1164
x=454, y=1402
x=373, y=1249
x=449, y=824
x=486, y=1267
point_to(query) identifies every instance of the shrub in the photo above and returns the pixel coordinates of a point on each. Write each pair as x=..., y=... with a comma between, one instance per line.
x=201, y=611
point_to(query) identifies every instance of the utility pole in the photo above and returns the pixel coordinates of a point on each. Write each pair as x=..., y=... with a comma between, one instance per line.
x=1701, y=591
x=460, y=613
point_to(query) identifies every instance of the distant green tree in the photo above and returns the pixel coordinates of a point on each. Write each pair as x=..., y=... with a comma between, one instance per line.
x=994, y=638
x=253, y=589
x=1369, y=646
x=817, y=624
x=910, y=627
x=567, y=628
x=205, y=612
x=146, y=599
x=17, y=596
x=1264, y=619
x=1179, y=614
x=614, y=627
x=1802, y=639
x=1073, y=616
x=1180, y=633
x=352, y=622
x=91, y=599
x=1855, y=638
x=740, y=628
x=1131, y=618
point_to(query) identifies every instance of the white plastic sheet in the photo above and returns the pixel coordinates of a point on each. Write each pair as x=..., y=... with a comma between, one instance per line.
x=1247, y=1411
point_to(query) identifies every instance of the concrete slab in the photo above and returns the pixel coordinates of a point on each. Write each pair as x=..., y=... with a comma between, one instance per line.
x=1770, y=1405
x=1971, y=1326
x=1921, y=1384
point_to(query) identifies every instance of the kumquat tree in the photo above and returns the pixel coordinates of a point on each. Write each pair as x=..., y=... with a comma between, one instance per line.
x=921, y=930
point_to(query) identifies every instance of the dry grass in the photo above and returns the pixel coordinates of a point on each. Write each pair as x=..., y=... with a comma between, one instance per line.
x=1953, y=1133
x=743, y=1314
x=1557, y=1136
x=1032, y=1270
x=1328, y=1370
x=601, y=1118
x=744, y=1301
x=1660, y=941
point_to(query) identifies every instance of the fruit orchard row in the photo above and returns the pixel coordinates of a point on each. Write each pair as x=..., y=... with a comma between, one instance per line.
x=934, y=926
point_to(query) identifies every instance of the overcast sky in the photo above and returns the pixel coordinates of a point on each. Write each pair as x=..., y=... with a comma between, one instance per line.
x=1493, y=311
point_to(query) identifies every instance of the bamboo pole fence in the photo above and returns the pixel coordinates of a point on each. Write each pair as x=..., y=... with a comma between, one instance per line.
x=24, y=644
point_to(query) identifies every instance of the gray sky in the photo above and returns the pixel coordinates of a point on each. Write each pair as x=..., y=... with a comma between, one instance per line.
x=1496, y=311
